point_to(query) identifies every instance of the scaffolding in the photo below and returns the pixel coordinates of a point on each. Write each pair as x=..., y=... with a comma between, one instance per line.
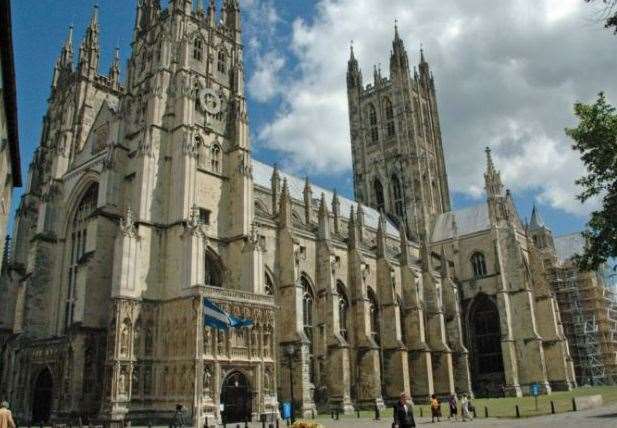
x=589, y=315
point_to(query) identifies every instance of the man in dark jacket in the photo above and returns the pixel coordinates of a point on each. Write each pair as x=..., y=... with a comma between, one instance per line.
x=403, y=413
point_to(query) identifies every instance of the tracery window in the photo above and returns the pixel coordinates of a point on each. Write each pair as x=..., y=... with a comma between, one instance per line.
x=78, y=235
x=374, y=316
x=373, y=123
x=478, y=264
x=399, y=204
x=343, y=308
x=378, y=192
x=198, y=49
x=390, y=118
x=222, y=61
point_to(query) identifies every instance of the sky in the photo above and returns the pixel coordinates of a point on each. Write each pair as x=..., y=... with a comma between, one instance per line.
x=507, y=75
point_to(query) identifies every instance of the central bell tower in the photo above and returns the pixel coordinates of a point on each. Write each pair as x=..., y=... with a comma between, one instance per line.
x=397, y=152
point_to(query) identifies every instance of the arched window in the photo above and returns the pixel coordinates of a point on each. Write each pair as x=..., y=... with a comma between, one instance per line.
x=78, y=235
x=215, y=158
x=269, y=285
x=389, y=117
x=307, y=317
x=374, y=316
x=372, y=114
x=486, y=336
x=343, y=308
x=222, y=61
x=399, y=204
x=198, y=49
x=214, y=272
x=378, y=192
x=478, y=264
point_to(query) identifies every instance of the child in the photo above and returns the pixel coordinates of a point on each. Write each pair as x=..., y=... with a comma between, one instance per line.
x=435, y=408
x=452, y=403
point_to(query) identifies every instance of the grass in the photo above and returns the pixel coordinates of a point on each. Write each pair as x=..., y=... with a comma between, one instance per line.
x=505, y=407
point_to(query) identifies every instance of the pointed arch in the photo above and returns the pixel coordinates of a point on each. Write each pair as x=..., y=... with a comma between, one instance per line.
x=399, y=199
x=269, y=287
x=378, y=194
x=216, y=158
x=372, y=118
x=198, y=48
x=343, y=309
x=374, y=315
x=221, y=60
x=308, y=318
x=76, y=238
x=478, y=264
x=214, y=269
x=389, y=115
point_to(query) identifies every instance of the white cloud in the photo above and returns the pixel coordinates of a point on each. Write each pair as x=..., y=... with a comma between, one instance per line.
x=507, y=76
x=263, y=84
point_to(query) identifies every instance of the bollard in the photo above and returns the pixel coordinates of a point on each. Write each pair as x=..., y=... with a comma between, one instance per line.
x=377, y=413
x=150, y=423
x=312, y=414
x=552, y=408
x=332, y=414
x=518, y=412
x=337, y=415
x=485, y=412
x=421, y=413
x=277, y=422
x=246, y=424
x=573, y=404
x=263, y=423
x=474, y=412
x=358, y=413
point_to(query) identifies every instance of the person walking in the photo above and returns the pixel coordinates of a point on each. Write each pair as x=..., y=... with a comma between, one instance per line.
x=403, y=413
x=453, y=405
x=465, y=408
x=435, y=408
x=178, y=421
x=6, y=417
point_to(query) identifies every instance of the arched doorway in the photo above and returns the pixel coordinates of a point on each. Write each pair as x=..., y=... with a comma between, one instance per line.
x=42, y=397
x=485, y=338
x=236, y=398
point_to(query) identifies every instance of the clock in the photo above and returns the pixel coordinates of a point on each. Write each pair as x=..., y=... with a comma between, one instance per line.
x=209, y=101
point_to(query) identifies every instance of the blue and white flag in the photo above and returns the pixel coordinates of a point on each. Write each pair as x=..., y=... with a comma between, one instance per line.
x=217, y=318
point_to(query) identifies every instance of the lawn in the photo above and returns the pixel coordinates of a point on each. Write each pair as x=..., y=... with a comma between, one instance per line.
x=506, y=407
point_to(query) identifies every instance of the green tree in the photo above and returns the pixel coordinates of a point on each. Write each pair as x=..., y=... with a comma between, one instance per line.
x=595, y=138
x=609, y=12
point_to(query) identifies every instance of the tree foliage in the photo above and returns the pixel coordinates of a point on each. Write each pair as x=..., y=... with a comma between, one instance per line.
x=609, y=12
x=595, y=138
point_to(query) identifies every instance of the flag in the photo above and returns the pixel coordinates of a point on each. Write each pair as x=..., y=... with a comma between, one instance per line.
x=217, y=318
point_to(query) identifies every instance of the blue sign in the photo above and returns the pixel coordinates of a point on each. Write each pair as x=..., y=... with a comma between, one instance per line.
x=534, y=389
x=286, y=410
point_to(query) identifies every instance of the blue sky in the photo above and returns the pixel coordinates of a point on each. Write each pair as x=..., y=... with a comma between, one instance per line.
x=512, y=90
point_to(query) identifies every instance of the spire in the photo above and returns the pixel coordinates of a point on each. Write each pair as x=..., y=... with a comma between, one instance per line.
x=114, y=69
x=336, y=211
x=324, y=219
x=89, y=50
x=354, y=75
x=285, y=207
x=66, y=57
x=492, y=177
x=381, y=236
x=399, y=62
x=425, y=73
x=354, y=238
x=308, y=202
x=537, y=222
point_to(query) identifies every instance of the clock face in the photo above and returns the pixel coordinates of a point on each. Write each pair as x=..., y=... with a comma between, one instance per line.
x=209, y=101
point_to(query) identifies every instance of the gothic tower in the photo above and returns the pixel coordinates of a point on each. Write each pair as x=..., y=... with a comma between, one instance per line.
x=397, y=152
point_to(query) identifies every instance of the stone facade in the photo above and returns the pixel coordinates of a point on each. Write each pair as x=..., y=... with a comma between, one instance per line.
x=143, y=199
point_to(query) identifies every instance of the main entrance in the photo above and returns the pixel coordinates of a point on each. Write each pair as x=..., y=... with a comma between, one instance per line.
x=236, y=398
x=42, y=397
x=486, y=356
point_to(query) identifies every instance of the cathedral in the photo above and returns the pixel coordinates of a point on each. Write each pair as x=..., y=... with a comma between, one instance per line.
x=143, y=199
